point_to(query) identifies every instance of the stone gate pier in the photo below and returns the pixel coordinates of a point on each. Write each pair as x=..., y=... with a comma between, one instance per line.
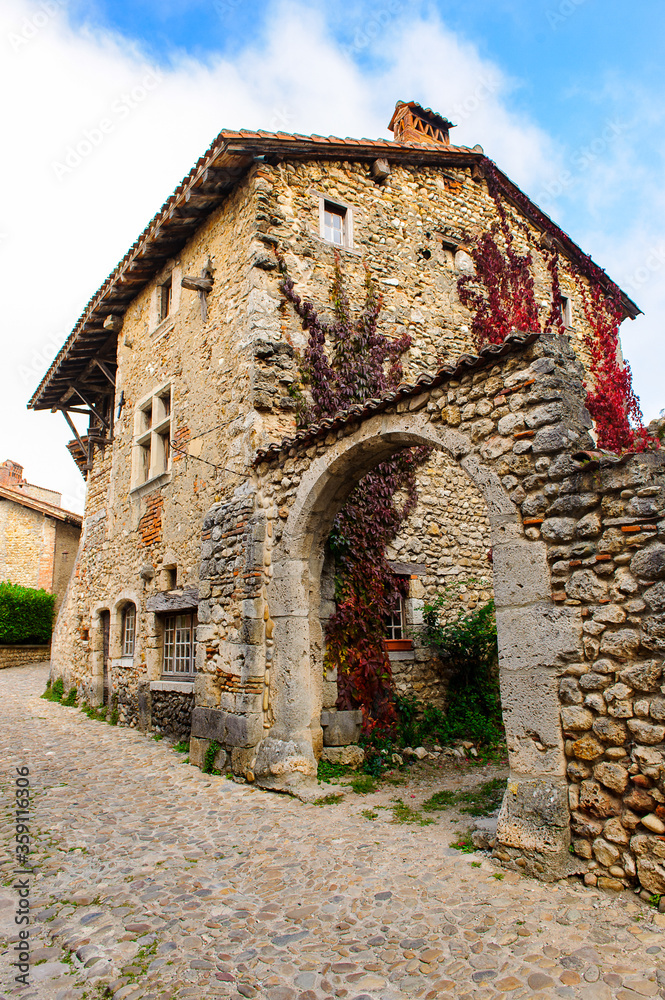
x=578, y=543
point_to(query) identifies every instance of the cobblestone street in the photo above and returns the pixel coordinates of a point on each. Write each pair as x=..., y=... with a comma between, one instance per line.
x=159, y=881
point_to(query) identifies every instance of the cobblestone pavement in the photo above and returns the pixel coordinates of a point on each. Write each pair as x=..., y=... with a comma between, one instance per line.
x=157, y=881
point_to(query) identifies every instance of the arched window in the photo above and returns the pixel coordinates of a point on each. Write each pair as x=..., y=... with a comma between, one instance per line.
x=128, y=630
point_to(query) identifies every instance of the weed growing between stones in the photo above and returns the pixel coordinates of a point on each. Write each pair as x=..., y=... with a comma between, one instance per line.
x=209, y=759
x=55, y=691
x=482, y=800
x=402, y=813
x=70, y=700
x=464, y=844
x=182, y=746
x=370, y=814
x=330, y=800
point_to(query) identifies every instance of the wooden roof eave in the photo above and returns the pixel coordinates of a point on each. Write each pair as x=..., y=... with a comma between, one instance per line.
x=213, y=177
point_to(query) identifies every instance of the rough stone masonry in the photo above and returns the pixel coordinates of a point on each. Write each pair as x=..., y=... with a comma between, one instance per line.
x=579, y=561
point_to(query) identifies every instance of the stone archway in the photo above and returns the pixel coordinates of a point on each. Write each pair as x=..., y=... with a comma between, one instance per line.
x=515, y=421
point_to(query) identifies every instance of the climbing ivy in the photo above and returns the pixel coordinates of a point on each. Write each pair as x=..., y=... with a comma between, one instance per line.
x=501, y=296
x=348, y=360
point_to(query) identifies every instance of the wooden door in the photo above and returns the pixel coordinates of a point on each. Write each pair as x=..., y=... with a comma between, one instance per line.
x=106, y=632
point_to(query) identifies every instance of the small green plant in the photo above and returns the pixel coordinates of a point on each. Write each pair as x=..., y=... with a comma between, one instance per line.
x=182, y=746
x=464, y=844
x=370, y=814
x=482, y=800
x=70, y=700
x=362, y=784
x=655, y=899
x=54, y=691
x=498, y=876
x=113, y=718
x=330, y=800
x=402, y=813
x=157, y=737
x=476, y=864
x=329, y=772
x=209, y=759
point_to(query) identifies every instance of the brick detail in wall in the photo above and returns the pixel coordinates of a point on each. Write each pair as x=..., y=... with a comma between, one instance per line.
x=180, y=439
x=150, y=525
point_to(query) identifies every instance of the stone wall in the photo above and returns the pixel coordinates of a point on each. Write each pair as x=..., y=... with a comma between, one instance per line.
x=171, y=712
x=21, y=656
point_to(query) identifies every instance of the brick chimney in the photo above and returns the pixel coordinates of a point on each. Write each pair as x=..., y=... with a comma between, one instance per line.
x=413, y=123
x=11, y=474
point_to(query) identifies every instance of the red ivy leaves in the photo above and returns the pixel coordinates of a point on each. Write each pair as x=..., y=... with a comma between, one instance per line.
x=612, y=401
x=349, y=361
x=501, y=295
x=365, y=584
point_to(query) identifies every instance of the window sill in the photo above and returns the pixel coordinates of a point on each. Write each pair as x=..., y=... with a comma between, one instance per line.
x=123, y=661
x=355, y=252
x=397, y=655
x=164, y=328
x=163, y=479
x=185, y=686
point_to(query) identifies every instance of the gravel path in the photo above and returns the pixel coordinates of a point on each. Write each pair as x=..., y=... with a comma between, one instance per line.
x=156, y=881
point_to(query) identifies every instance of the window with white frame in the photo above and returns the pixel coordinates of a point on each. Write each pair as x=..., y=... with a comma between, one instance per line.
x=128, y=635
x=152, y=436
x=335, y=222
x=178, y=651
x=395, y=619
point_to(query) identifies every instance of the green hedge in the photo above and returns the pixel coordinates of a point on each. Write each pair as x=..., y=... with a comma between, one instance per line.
x=26, y=615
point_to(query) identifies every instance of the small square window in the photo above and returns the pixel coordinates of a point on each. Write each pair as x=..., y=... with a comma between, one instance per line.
x=334, y=217
x=335, y=223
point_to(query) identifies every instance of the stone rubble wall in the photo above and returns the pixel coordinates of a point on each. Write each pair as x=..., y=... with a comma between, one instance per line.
x=449, y=533
x=21, y=656
x=598, y=525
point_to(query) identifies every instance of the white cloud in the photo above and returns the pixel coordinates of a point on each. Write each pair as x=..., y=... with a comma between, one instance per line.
x=95, y=138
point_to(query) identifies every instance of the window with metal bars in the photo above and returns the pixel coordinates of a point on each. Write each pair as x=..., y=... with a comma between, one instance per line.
x=128, y=630
x=179, y=645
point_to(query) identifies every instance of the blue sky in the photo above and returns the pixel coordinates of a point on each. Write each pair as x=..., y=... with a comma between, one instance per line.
x=568, y=96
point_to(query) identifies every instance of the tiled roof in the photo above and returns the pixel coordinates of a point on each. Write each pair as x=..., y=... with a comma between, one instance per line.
x=487, y=355
x=209, y=181
x=42, y=506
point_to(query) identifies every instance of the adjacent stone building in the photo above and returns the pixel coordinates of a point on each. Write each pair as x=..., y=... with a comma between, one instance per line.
x=203, y=579
x=38, y=537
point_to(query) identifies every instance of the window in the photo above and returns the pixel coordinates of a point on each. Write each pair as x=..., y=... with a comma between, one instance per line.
x=128, y=630
x=179, y=644
x=566, y=311
x=335, y=223
x=395, y=619
x=153, y=436
x=165, y=299
x=334, y=217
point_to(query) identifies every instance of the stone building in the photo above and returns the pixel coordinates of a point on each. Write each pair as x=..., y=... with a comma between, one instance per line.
x=38, y=537
x=202, y=578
